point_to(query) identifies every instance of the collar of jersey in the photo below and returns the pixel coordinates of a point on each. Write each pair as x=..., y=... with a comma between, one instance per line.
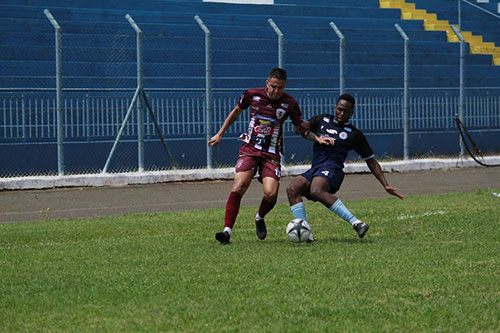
x=343, y=125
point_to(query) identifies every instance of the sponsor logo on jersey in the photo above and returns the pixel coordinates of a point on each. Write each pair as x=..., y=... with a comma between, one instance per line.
x=264, y=118
x=331, y=131
x=263, y=129
x=280, y=113
x=343, y=135
x=244, y=137
x=326, y=120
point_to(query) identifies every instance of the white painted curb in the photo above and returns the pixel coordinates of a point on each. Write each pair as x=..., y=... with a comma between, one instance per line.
x=150, y=177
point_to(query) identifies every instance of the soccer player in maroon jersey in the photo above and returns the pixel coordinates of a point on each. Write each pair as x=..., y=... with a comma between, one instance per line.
x=334, y=136
x=261, y=148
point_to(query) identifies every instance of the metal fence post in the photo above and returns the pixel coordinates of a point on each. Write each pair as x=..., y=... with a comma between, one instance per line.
x=140, y=87
x=208, y=87
x=341, y=57
x=461, y=106
x=406, y=89
x=60, y=117
x=281, y=43
x=460, y=14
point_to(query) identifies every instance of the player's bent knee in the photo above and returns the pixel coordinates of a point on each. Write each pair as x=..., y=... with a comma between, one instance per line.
x=292, y=190
x=240, y=187
x=271, y=196
x=317, y=194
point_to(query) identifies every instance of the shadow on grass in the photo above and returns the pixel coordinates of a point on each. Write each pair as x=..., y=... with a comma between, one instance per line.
x=318, y=241
x=346, y=240
x=284, y=240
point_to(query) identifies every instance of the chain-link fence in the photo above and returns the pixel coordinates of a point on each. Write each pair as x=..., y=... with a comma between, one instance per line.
x=101, y=101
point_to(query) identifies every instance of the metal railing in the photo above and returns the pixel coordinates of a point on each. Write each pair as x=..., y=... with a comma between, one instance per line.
x=68, y=116
x=31, y=118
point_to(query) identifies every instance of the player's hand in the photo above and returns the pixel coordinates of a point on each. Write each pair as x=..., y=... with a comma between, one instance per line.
x=303, y=129
x=394, y=191
x=326, y=140
x=214, y=141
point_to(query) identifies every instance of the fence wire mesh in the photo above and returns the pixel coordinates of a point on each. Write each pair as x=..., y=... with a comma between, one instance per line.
x=99, y=77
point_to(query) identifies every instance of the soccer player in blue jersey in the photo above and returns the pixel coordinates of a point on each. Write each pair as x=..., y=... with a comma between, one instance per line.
x=334, y=136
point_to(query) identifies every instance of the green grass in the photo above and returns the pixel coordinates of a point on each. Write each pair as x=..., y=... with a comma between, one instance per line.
x=429, y=263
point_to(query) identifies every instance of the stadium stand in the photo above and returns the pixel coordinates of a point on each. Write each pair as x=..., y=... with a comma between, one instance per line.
x=474, y=21
x=100, y=75
x=374, y=47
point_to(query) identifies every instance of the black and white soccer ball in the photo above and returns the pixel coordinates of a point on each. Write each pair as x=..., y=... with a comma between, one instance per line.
x=298, y=230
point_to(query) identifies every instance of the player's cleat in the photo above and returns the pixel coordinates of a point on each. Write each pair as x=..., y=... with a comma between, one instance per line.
x=361, y=228
x=260, y=228
x=223, y=237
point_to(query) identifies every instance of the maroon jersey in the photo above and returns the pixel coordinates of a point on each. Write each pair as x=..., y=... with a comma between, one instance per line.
x=265, y=130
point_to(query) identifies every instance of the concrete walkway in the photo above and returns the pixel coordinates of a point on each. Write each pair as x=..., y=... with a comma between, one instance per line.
x=82, y=202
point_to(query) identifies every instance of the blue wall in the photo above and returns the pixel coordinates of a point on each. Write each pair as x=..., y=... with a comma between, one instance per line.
x=99, y=53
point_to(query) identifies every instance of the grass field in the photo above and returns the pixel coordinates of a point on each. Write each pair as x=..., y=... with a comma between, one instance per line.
x=428, y=263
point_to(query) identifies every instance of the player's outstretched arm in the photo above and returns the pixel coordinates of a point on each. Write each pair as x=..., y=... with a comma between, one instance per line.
x=323, y=140
x=375, y=168
x=303, y=129
x=307, y=134
x=230, y=119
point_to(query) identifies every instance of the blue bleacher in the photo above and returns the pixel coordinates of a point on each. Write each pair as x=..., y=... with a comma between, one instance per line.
x=99, y=45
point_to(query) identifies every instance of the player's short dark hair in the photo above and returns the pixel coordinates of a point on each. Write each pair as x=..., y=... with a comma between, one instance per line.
x=278, y=73
x=347, y=97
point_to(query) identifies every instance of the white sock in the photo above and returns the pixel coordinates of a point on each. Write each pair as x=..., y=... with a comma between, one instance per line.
x=228, y=230
x=356, y=222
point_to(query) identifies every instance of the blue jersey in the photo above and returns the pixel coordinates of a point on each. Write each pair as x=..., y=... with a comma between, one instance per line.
x=346, y=136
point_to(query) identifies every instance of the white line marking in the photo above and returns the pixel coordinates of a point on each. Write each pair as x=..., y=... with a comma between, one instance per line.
x=409, y=217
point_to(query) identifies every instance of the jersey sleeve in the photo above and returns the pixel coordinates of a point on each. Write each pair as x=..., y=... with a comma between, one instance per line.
x=314, y=123
x=245, y=100
x=362, y=147
x=296, y=114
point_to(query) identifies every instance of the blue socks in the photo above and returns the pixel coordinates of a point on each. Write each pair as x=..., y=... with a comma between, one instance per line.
x=341, y=210
x=299, y=211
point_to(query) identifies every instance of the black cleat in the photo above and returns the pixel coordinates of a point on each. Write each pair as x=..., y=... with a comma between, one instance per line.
x=260, y=228
x=361, y=228
x=223, y=237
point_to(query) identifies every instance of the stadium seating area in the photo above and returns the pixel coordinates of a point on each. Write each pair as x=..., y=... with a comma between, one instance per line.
x=482, y=20
x=472, y=18
x=99, y=44
x=99, y=71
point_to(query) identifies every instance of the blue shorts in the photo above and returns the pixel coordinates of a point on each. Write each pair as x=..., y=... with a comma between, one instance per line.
x=332, y=174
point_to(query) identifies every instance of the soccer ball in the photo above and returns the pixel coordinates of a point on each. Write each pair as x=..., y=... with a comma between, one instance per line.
x=298, y=230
